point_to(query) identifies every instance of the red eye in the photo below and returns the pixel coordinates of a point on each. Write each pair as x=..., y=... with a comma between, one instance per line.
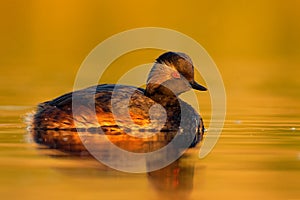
x=175, y=74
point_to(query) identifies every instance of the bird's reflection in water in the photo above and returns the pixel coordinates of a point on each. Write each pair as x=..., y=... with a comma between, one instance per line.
x=174, y=181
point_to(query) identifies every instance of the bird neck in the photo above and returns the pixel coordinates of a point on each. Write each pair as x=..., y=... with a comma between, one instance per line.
x=163, y=96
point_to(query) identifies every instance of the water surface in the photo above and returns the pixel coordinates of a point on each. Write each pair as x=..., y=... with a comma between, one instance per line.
x=256, y=157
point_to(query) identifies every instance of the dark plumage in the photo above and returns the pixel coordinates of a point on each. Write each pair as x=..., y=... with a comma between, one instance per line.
x=173, y=73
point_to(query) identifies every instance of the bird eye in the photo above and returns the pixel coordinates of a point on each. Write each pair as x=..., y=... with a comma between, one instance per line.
x=175, y=75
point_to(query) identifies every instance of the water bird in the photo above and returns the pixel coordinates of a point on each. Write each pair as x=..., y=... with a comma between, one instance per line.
x=128, y=115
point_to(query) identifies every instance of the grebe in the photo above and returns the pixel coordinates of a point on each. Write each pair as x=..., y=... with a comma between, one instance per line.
x=54, y=125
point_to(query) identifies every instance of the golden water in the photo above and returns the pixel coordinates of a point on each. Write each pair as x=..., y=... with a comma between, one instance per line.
x=254, y=43
x=256, y=157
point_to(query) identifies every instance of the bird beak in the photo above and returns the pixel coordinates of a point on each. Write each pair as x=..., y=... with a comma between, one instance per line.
x=197, y=86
